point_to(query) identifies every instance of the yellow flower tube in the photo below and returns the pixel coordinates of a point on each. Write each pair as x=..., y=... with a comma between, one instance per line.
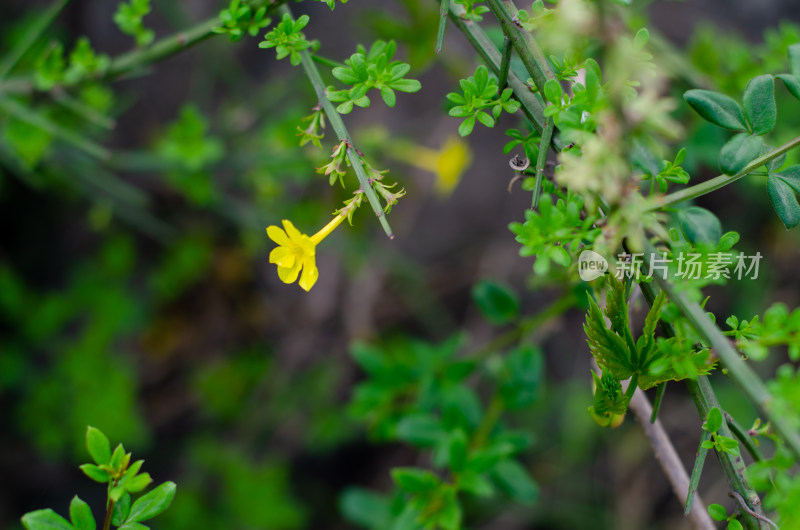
x=296, y=252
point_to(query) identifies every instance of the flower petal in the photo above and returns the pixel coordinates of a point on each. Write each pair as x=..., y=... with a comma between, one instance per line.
x=293, y=233
x=289, y=274
x=283, y=257
x=277, y=235
x=310, y=273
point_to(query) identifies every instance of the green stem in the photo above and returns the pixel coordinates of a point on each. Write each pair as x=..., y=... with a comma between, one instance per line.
x=335, y=119
x=444, y=7
x=662, y=388
x=525, y=45
x=488, y=422
x=739, y=372
x=547, y=136
x=721, y=181
x=743, y=437
x=159, y=50
x=526, y=325
x=324, y=61
x=531, y=106
x=697, y=470
x=30, y=37
x=505, y=64
x=705, y=400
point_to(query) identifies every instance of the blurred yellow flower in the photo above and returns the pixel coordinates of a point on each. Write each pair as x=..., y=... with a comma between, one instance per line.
x=448, y=164
x=297, y=251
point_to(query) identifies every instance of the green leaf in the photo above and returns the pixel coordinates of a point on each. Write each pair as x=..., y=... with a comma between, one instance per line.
x=553, y=92
x=792, y=83
x=388, y=96
x=717, y=108
x=733, y=524
x=759, y=104
x=485, y=119
x=515, y=481
x=699, y=225
x=496, y=301
x=81, y=514
x=138, y=483
x=713, y=420
x=423, y=430
x=365, y=508
x=98, y=445
x=475, y=484
x=121, y=509
x=738, y=152
x=406, y=85
x=465, y=129
x=717, y=512
x=450, y=515
x=791, y=176
x=794, y=59
x=457, y=451
x=784, y=201
x=415, y=480
x=153, y=503
x=95, y=473
x=45, y=520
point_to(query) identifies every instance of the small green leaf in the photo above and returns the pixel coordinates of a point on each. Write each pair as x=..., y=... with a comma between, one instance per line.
x=365, y=508
x=699, y=225
x=388, y=96
x=759, y=104
x=95, y=473
x=151, y=504
x=738, y=152
x=792, y=83
x=415, y=480
x=423, y=430
x=450, y=514
x=485, y=119
x=457, y=451
x=406, y=85
x=713, y=420
x=733, y=524
x=475, y=484
x=515, y=481
x=717, y=108
x=784, y=201
x=121, y=509
x=553, y=92
x=794, y=59
x=465, y=129
x=45, y=520
x=641, y=38
x=717, y=512
x=496, y=301
x=81, y=514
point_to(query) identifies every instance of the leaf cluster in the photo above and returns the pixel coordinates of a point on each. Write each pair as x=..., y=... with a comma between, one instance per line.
x=123, y=479
x=287, y=38
x=240, y=18
x=128, y=19
x=479, y=94
x=371, y=70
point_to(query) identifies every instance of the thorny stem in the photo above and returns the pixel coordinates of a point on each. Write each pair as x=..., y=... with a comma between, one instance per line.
x=505, y=64
x=697, y=470
x=721, y=181
x=547, y=136
x=339, y=128
x=705, y=400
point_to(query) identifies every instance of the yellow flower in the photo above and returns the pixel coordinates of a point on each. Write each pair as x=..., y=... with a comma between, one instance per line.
x=448, y=164
x=297, y=251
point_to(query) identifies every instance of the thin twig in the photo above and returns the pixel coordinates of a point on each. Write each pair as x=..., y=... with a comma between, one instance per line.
x=505, y=64
x=697, y=470
x=339, y=128
x=668, y=460
x=743, y=506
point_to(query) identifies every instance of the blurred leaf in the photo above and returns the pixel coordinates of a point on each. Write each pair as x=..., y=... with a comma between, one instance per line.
x=699, y=225
x=515, y=481
x=496, y=301
x=45, y=520
x=365, y=508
